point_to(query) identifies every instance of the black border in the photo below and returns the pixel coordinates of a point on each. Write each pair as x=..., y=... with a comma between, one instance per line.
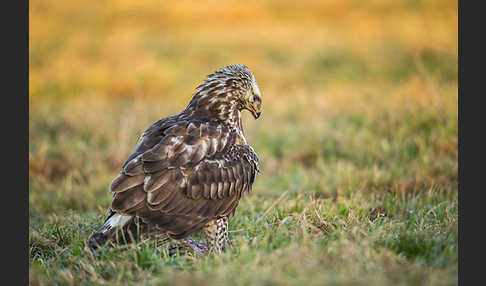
x=471, y=142
x=15, y=130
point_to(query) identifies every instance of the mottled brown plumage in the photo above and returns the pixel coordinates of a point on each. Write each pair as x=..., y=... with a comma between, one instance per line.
x=189, y=171
x=217, y=233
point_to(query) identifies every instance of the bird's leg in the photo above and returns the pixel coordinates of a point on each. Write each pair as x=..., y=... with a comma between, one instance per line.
x=187, y=246
x=196, y=247
x=216, y=232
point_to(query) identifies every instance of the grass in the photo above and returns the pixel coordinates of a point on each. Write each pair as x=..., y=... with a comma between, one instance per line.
x=357, y=141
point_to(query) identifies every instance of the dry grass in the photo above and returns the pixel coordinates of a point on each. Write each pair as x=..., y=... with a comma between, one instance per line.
x=358, y=139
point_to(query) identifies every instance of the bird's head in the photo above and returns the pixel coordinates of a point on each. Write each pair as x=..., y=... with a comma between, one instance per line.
x=232, y=87
x=249, y=97
x=252, y=100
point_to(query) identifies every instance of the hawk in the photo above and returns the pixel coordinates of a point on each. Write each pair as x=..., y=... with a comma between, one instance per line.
x=189, y=171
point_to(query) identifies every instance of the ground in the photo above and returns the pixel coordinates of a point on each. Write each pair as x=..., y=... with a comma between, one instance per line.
x=357, y=140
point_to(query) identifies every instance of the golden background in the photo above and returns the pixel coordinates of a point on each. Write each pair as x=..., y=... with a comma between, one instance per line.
x=359, y=112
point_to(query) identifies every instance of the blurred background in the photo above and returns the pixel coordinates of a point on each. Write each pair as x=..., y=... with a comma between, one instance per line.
x=359, y=98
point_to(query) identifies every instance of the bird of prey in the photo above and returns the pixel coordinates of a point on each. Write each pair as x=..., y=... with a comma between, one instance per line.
x=189, y=171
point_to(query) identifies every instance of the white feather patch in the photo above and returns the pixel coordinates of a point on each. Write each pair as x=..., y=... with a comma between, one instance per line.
x=116, y=221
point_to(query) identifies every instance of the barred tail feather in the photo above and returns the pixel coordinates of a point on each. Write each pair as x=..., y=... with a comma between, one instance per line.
x=112, y=224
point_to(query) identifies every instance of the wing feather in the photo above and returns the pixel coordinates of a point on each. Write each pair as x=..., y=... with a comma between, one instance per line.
x=129, y=199
x=123, y=182
x=183, y=174
x=156, y=181
x=134, y=167
x=155, y=166
x=207, y=191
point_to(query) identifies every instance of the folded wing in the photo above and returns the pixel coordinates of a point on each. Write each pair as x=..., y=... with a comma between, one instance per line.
x=181, y=175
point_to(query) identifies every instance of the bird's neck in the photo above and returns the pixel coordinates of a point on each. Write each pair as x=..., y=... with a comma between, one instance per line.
x=215, y=108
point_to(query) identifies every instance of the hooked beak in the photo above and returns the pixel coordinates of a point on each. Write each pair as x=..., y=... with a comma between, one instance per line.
x=255, y=112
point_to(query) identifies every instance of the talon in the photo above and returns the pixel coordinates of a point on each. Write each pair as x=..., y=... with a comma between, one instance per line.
x=198, y=247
